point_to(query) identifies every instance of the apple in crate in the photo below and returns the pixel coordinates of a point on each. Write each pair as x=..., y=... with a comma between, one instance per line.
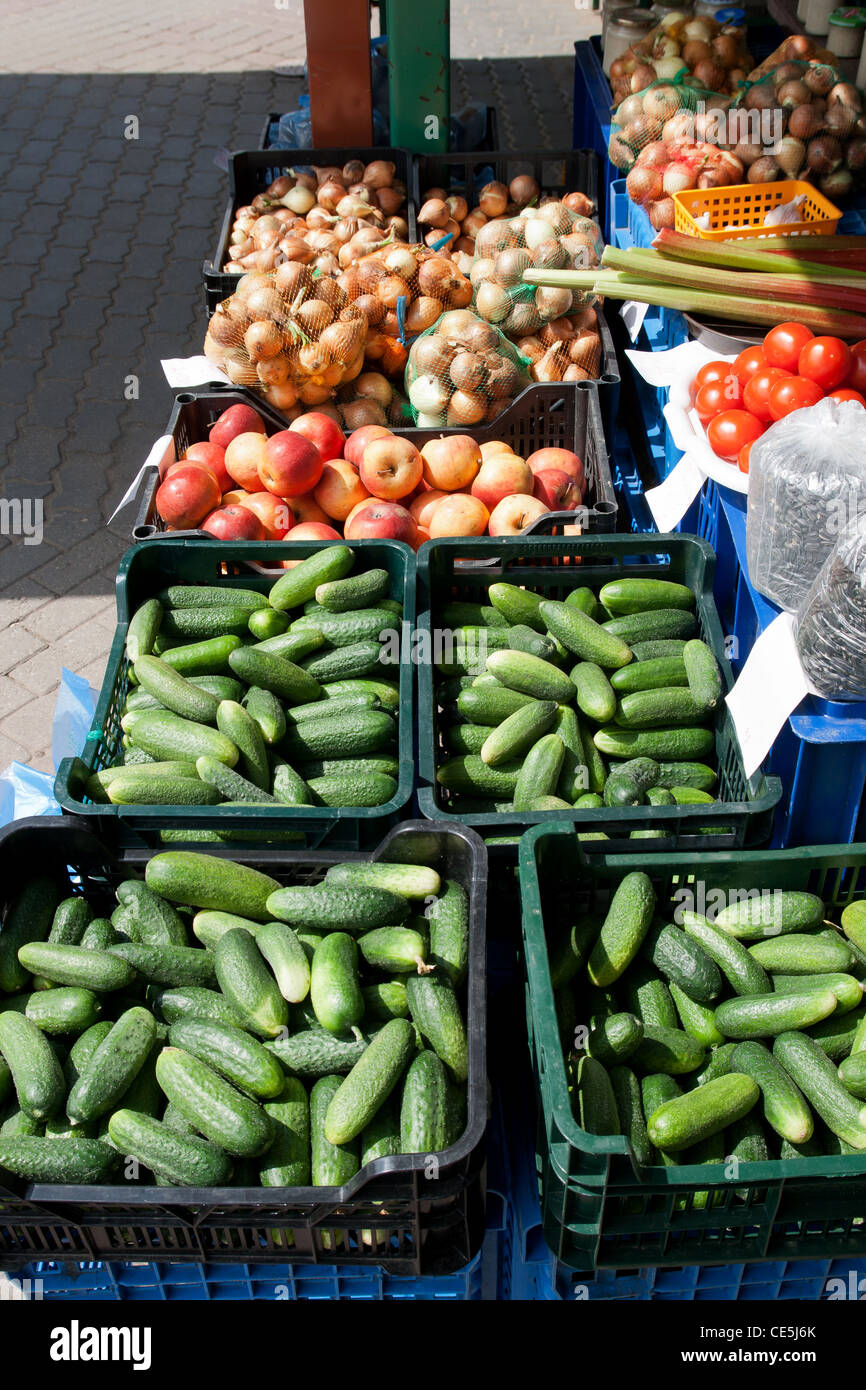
x=214, y=458
x=243, y=456
x=314, y=531
x=238, y=419
x=557, y=490
x=291, y=464
x=514, y=513
x=564, y=459
x=323, y=432
x=359, y=439
x=340, y=489
x=273, y=512
x=381, y=521
x=391, y=468
x=501, y=475
x=306, y=508
x=187, y=496
x=234, y=523
x=459, y=514
x=451, y=462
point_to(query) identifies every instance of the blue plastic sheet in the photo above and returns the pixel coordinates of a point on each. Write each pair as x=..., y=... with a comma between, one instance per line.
x=23, y=790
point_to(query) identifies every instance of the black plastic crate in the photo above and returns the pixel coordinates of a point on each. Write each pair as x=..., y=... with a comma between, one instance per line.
x=490, y=141
x=407, y=1214
x=250, y=172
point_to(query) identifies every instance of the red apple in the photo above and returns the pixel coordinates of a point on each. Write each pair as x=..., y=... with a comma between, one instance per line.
x=340, y=489
x=514, y=513
x=501, y=475
x=291, y=466
x=275, y=515
x=313, y=531
x=322, y=431
x=238, y=419
x=460, y=514
x=235, y=497
x=234, y=524
x=451, y=461
x=188, y=496
x=557, y=490
x=391, y=468
x=214, y=458
x=381, y=521
x=359, y=439
x=242, y=458
x=306, y=508
x=424, y=505
x=563, y=459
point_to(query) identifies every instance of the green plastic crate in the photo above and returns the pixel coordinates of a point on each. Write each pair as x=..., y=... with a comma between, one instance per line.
x=150, y=566
x=599, y=1209
x=461, y=568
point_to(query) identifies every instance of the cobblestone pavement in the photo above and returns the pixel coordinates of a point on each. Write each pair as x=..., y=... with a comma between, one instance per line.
x=105, y=237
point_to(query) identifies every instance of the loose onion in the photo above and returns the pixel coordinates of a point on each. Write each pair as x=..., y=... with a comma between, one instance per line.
x=375, y=387
x=523, y=190
x=380, y=173
x=422, y=314
x=458, y=208
x=434, y=213
x=300, y=200
x=493, y=199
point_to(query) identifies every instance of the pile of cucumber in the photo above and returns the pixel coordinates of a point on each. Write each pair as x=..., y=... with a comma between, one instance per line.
x=744, y=1037
x=601, y=700
x=222, y=1028
x=238, y=697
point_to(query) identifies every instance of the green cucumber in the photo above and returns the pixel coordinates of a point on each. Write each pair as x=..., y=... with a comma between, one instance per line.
x=424, y=1105
x=574, y=775
x=852, y=1074
x=161, y=791
x=468, y=775
x=75, y=1161
x=217, y=1109
x=381, y=1136
x=157, y=922
x=386, y=692
x=665, y=745
x=284, y=953
x=83, y=1049
x=191, y=1001
x=266, y=623
x=275, y=673
x=28, y=918
x=703, y=674
x=847, y=989
x=97, y=786
x=814, y=1073
x=370, y=1082
x=330, y=905
x=663, y=708
x=355, y=661
x=360, y=591
x=627, y=596
x=100, y=971
x=386, y=999
x=386, y=763
x=287, y=1162
x=785, y=1109
x=265, y=709
x=203, y=881
x=665, y=671
x=614, y=1039
x=199, y=624
x=221, y=687
x=289, y=786
x=368, y=789
x=719, y=1063
x=352, y=735
x=292, y=646
x=230, y=785
x=588, y=801
x=596, y=697
x=651, y=625
x=517, y=606
x=143, y=628
x=570, y=951
x=398, y=950
x=232, y=1053
x=181, y=1160
x=530, y=675
x=198, y=596
x=771, y=914
x=167, y=736
x=668, y=1049
x=687, y=774
x=327, y=709
x=629, y=783
x=683, y=961
x=448, y=917
x=629, y=1109
x=625, y=926
x=316, y=1052
x=656, y=1090
x=248, y=984
x=706, y=1111
x=518, y=733
x=658, y=796
x=335, y=990
x=298, y=585
x=238, y=725
x=767, y=1015
x=347, y=629
x=402, y=880
x=471, y=614
x=113, y=1066
x=659, y=649
x=174, y=692
x=434, y=1007
x=584, y=637
x=596, y=1103
x=490, y=705
x=16, y=1124
x=540, y=772
x=332, y=1165
x=68, y=1010
x=853, y=923
x=836, y=1035
x=71, y=920
x=170, y=966
x=648, y=997
x=36, y=1072
x=802, y=954
x=521, y=638
x=585, y=600
x=743, y=973
x=696, y=1019
x=209, y=657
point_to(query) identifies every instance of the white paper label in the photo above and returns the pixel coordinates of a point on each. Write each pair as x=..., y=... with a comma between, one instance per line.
x=161, y=455
x=181, y=372
x=633, y=315
x=670, y=501
x=771, y=685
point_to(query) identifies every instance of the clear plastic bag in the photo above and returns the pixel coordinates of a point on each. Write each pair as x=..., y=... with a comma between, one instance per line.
x=831, y=623
x=807, y=478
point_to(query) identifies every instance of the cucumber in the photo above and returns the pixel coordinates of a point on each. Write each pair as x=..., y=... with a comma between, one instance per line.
x=588, y=801
x=398, y=950
x=785, y=1109
x=143, y=628
x=836, y=1035
x=490, y=705
x=628, y=783
x=298, y=585
x=625, y=926
x=614, y=1039
x=767, y=1015
x=97, y=786
x=386, y=692
x=40, y=1160
x=651, y=625
x=232, y=1053
x=209, y=657
x=540, y=772
x=402, y=880
x=285, y=954
x=287, y=1162
x=352, y=735
x=157, y=922
x=743, y=973
x=585, y=600
x=203, y=881
x=596, y=1103
x=381, y=1137
x=627, y=596
x=316, y=1052
x=659, y=649
x=848, y=991
x=516, y=734
x=100, y=971
x=802, y=954
x=814, y=1073
x=292, y=646
x=683, y=961
x=472, y=614
x=688, y=1119
x=113, y=1066
x=584, y=637
x=656, y=1090
x=174, y=692
x=28, y=919
x=265, y=709
x=689, y=774
x=238, y=725
x=335, y=990
x=521, y=638
x=355, y=661
x=852, y=1074
x=719, y=1063
x=658, y=796
x=648, y=997
x=385, y=1000
x=230, y=785
x=596, y=697
x=199, y=624
x=369, y=789
x=197, y=596
x=530, y=675
x=703, y=674
x=663, y=708
x=360, y=591
x=167, y=736
x=71, y=920
x=249, y=986
x=669, y=1050
x=697, y=1020
x=330, y=905
x=517, y=606
x=289, y=786
x=468, y=775
x=327, y=709
x=168, y=965
x=665, y=745
x=191, y=1001
x=266, y=623
x=16, y=1123
x=349, y=767
x=332, y=1165
x=574, y=776
x=570, y=951
x=83, y=1049
x=347, y=629
x=629, y=1109
x=161, y=791
x=434, y=1008
x=424, y=1106
x=853, y=923
x=36, y=1072
x=217, y=1109
x=61, y=1011
x=181, y=1160
x=370, y=1082
x=665, y=671
x=771, y=914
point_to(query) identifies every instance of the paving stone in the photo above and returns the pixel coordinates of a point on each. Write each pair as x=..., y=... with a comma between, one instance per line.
x=18, y=645
x=27, y=726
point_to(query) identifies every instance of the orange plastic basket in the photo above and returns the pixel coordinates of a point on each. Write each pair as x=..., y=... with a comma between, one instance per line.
x=738, y=212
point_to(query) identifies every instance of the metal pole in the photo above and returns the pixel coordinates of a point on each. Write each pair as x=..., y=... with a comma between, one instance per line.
x=419, y=74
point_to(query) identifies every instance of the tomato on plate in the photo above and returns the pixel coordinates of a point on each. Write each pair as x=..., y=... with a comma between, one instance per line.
x=743, y=457
x=712, y=371
x=732, y=429
x=856, y=377
x=846, y=394
x=750, y=360
x=756, y=395
x=784, y=343
x=793, y=393
x=717, y=396
x=826, y=361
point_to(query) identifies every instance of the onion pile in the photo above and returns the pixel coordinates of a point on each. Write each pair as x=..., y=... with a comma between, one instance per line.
x=462, y=372
x=402, y=286
x=714, y=55
x=550, y=237
x=323, y=216
x=669, y=166
x=448, y=213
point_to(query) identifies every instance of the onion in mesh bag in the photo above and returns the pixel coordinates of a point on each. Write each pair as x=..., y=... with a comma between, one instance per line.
x=462, y=372
x=547, y=237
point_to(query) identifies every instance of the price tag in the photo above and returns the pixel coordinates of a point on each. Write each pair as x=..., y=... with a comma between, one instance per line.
x=670, y=501
x=181, y=372
x=633, y=315
x=771, y=685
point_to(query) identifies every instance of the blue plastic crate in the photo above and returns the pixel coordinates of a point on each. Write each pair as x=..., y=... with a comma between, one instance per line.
x=804, y=1280
x=592, y=108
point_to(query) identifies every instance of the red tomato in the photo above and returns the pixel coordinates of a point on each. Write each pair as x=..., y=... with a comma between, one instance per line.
x=826, y=361
x=856, y=377
x=756, y=396
x=793, y=393
x=717, y=396
x=784, y=343
x=847, y=394
x=732, y=429
x=743, y=457
x=712, y=371
x=750, y=360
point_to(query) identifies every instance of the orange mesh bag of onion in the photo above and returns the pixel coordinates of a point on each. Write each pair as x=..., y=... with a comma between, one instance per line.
x=462, y=372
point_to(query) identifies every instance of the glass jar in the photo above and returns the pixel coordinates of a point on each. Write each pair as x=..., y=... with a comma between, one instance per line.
x=818, y=14
x=612, y=7
x=845, y=34
x=625, y=28
x=660, y=8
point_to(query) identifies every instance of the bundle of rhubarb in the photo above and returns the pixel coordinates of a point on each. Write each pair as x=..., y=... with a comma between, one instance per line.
x=820, y=282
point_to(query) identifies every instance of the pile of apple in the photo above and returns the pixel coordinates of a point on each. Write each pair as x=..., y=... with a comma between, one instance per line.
x=312, y=482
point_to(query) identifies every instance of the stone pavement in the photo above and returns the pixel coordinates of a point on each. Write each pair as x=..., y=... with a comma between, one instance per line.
x=105, y=237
